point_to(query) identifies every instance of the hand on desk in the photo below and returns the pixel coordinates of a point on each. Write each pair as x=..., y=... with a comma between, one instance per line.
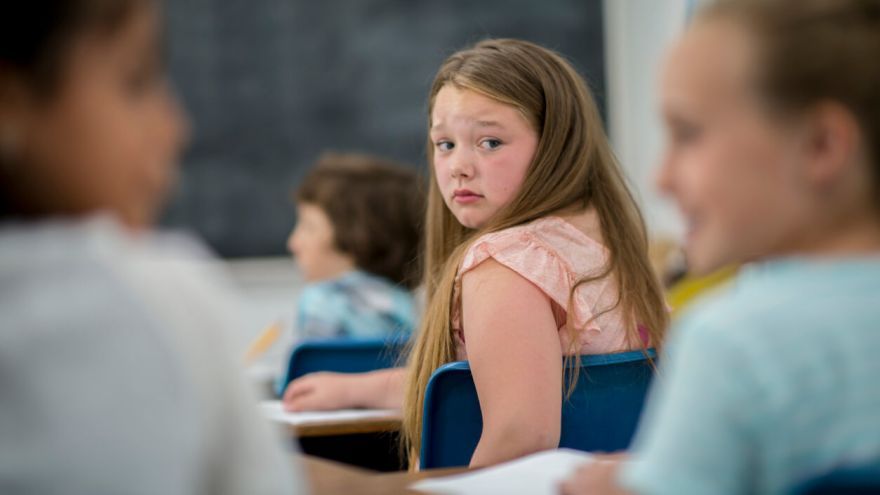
x=324, y=391
x=321, y=391
x=598, y=477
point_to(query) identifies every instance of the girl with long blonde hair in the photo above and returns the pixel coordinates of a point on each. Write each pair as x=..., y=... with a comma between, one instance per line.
x=535, y=251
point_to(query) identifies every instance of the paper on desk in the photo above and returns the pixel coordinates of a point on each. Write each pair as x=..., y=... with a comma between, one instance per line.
x=272, y=409
x=536, y=474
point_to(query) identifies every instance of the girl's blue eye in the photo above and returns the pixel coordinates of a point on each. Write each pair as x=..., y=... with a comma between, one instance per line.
x=444, y=145
x=490, y=144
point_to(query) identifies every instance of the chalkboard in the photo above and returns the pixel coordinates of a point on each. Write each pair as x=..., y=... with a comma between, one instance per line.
x=270, y=84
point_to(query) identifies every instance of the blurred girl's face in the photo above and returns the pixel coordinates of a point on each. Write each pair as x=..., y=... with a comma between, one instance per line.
x=733, y=170
x=108, y=136
x=313, y=244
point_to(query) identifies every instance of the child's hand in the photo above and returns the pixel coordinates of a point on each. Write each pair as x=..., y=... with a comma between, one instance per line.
x=597, y=477
x=321, y=391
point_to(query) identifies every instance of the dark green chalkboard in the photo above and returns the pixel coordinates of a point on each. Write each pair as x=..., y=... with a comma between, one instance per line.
x=269, y=84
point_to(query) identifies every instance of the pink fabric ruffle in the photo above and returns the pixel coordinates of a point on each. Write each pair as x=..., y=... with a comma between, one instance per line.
x=554, y=254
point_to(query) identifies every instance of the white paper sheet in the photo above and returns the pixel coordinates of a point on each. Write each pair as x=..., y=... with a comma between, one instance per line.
x=272, y=410
x=537, y=474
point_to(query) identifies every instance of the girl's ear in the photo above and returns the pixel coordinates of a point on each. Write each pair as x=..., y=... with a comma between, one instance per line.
x=833, y=146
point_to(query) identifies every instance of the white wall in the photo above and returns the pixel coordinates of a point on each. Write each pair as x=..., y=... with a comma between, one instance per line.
x=637, y=33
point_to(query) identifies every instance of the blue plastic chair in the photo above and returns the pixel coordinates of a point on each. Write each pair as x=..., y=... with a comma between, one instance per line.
x=343, y=355
x=600, y=415
x=853, y=480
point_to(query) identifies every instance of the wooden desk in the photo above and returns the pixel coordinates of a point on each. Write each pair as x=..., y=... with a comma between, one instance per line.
x=331, y=478
x=385, y=424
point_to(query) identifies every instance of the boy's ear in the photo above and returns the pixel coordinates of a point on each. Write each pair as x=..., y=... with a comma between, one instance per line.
x=834, y=144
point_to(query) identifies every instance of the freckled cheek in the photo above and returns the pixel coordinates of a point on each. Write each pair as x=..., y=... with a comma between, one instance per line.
x=508, y=188
x=509, y=177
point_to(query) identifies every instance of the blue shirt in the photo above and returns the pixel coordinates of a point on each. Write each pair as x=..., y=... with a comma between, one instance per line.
x=356, y=304
x=768, y=384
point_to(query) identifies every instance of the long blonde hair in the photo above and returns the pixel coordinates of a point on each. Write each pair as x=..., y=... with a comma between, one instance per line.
x=573, y=167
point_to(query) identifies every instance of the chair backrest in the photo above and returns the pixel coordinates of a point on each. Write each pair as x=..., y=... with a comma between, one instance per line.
x=853, y=480
x=343, y=355
x=600, y=415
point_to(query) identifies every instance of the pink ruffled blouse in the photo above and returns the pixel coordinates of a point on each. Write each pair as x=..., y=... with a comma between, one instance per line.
x=553, y=254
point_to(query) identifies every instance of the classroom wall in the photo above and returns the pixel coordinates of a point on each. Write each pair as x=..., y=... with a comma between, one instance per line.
x=638, y=32
x=269, y=84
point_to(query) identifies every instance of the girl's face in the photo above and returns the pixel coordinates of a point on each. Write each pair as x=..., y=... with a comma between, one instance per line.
x=312, y=243
x=482, y=150
x=108, y=136
x=733, y=170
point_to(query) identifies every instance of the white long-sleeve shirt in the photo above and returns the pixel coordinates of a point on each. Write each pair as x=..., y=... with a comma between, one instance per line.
x=116, y=373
